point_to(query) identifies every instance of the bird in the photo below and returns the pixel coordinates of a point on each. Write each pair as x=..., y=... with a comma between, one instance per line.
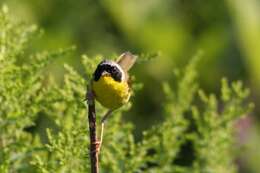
x=111, y=86
x=111, y=81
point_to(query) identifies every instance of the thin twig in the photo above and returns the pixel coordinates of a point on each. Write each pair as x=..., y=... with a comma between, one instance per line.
x=103, y=126
x=94, y=143
x=101, y=136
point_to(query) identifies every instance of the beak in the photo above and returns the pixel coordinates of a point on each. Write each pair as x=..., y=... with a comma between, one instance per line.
x=105, y=73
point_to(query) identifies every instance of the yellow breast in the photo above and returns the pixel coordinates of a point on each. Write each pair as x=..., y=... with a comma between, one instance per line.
x=110, y=93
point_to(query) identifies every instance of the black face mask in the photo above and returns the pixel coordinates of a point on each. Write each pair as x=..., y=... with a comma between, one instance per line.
x=110, y=68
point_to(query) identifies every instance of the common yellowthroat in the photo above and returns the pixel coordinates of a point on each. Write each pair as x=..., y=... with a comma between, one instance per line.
x=110, y=85
x=111, y=81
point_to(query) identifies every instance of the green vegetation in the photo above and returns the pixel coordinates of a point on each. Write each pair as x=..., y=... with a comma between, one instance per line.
x=44, y=124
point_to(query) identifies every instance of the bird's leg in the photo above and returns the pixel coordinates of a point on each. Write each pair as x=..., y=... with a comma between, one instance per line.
x=103, y=120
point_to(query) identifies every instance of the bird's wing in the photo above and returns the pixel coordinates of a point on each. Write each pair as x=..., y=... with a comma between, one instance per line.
x=126, y=61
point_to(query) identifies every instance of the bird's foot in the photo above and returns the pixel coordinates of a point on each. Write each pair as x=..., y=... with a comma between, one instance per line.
x=95, y=147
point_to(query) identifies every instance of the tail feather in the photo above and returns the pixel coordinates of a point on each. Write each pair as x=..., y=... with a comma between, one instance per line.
x=126, y=61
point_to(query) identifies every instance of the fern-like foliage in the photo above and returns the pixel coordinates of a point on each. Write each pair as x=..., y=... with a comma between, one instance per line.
x=44, y=125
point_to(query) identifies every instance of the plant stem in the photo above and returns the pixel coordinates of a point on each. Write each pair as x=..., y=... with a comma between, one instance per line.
x=94, y=143
x=109, y=112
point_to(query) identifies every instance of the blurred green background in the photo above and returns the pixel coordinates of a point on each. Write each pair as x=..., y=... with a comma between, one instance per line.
x=228, y=33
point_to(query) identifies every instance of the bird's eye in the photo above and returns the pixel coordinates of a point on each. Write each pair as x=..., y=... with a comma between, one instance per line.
x=115, y=73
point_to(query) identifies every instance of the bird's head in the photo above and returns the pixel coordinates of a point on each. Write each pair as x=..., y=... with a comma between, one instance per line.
x=109, y=68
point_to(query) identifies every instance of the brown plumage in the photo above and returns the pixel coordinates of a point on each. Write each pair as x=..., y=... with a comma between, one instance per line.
x=126, y=61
